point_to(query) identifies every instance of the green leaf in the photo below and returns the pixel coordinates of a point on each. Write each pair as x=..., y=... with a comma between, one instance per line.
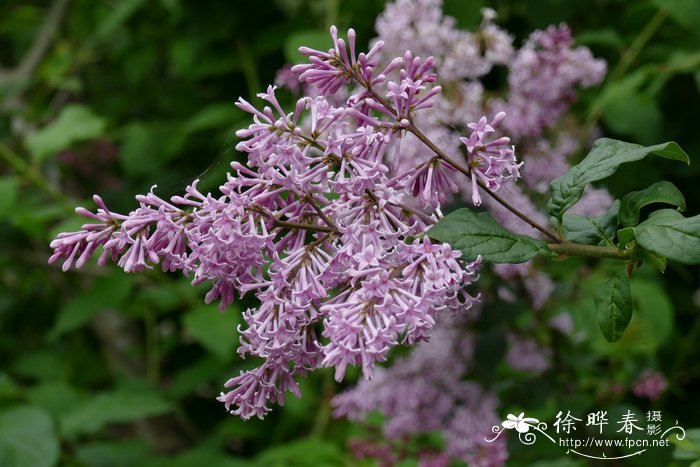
x=312, y=38
x=684, y=12
x=208, y=452
x=613, y=300
x=689, y=445
x=603, y=160
x=113, y=453
x=199, y=373
x=652, y=323
x=117, y=17
x=74, y=124
x=478, y=234
x=9, y=389
x=57, y=397
x=42, y=364
x=660, y=192
x=214, y=330
x=604, y=37
x=650, y=327
x=27, y=438
x=668, y=233
x=114, y=407
x=592, y=230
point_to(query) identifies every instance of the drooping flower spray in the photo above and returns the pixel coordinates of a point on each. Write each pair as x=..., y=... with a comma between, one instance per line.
x=319, y=224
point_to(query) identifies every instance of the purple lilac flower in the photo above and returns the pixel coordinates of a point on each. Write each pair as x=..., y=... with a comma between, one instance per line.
x=542, y=78
x=491, y=162
x=433, y=395
x=466, y=432
x=421, y=27
x=539, y=286
x=340, y=280
x=286, y=78
x=650, y=385
x=545, y=138
x=432, y=182
x=524, y=354
x=380, y=453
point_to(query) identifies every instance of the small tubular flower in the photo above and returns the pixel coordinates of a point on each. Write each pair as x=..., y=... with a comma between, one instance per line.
x=491, y=162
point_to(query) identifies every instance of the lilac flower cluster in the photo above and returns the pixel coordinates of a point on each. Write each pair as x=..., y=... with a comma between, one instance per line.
x=433, y=395
x=542, y=79
x=323, y=224
x=543, y=75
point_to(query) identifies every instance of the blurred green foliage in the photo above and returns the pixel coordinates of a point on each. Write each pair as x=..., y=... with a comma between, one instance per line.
x=101, y=368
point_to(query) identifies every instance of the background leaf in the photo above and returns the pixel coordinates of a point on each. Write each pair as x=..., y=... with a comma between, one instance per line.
x=106, y=292
x=313, y=39
x=75, y=123
x=9, y=186
x=214, y=330
x=27, y=438
x=112, y=407
x=308, y=452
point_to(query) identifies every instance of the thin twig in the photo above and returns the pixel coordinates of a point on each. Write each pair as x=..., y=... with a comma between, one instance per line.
x=426, y=218
x=302, y=226
x=464, y=170
x=309, y=199
x=589, y=251
x=39, y=47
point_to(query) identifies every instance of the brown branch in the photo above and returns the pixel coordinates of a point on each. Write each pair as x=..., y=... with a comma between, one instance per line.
x=589, y=251
x=309, y=199
x=299, y=225
x=39, y=47
x=464, y=170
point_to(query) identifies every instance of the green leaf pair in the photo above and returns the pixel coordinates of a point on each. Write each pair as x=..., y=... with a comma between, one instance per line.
x=603, y=160
x=665, y=234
